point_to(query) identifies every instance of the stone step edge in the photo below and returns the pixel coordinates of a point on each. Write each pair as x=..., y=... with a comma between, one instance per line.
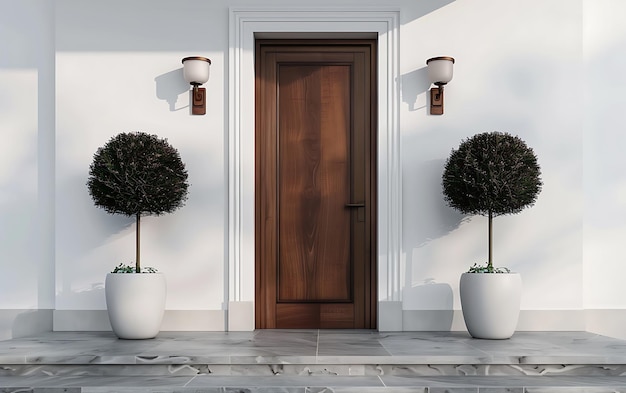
x=300, y=370
x=88, y=359
x=312, y=381
x=328, y=389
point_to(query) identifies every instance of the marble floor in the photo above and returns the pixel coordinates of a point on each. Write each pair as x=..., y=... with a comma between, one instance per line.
x=302, y=361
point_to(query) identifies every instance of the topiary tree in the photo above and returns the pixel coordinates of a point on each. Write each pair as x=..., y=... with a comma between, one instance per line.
x=137, y=174
x=491, y=174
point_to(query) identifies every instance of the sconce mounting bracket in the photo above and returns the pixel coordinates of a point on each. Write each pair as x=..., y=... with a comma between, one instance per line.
x=436, y=101
x=198, y=101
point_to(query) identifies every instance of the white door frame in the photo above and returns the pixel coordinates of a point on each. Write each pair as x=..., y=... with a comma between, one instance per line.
x=245, y=23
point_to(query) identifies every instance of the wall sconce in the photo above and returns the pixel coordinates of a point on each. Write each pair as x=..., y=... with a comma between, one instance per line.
x=196, y=72
x=439, y=73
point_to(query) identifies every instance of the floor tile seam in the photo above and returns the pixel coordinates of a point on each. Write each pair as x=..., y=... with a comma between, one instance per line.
x=317, y=346
x=488, y=355
x=384, y=347
x=464, y=343
x=495, y=353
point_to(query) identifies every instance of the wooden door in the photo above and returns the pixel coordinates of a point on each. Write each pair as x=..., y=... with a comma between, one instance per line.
x=315, y=184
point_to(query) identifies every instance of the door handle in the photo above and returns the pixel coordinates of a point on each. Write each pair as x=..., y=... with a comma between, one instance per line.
x=360, y=212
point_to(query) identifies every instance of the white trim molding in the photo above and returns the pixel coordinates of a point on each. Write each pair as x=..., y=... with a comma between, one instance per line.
x=16, y=323
x=173, y=320
x=609, y=322
x=529, y=320
x=245, y=24
x=20, y=323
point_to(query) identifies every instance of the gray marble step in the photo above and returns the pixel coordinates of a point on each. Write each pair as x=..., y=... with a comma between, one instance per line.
x=315, y=384
x=304, y=370
x=313, y=362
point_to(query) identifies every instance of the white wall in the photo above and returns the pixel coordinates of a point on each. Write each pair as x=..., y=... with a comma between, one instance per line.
x=518, y=69
x=604, y=163
x=604, y=157
x=118, y=72
x=529, y=68
x=26, y=165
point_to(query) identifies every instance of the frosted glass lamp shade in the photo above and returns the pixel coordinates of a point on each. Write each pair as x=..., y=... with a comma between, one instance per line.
x=196, y=72
x=440, y=69
x=196, y=69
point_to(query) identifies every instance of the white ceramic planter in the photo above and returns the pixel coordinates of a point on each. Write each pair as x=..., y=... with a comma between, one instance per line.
x=136, y=303
x=491, y=303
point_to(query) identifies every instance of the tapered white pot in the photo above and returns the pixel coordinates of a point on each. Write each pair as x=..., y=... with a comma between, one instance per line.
x=136, y=304
x=491, y=303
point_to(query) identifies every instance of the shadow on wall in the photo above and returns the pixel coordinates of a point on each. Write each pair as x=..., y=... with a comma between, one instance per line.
x=171, y=85
x=424, y=201
x=18, y=232
x=418, y=9
x=434, y=304
x=21, y=323
x=87, y=25
x=26, y=29
x=426, y=217
x=104, y=227
x=412, y=84
x=94, y=295
x=429, y=296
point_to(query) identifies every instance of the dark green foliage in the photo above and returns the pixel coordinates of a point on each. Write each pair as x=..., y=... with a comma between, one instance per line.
x=487, y=269
x=491, y=173
x=137, y=173
x=121, y=268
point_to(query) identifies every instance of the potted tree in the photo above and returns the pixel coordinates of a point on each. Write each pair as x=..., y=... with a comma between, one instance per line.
x=137, y=174
x=491, y=174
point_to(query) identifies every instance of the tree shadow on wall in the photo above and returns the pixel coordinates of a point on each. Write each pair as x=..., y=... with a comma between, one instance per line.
x=424, y=204
x=434, y=304
x=427, y=217
x=81, y=240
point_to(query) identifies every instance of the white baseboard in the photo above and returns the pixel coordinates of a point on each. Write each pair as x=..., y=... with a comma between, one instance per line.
x=81, y=321
x=432, y=320
x=194, y=320
x=551, y=320
x=240, y=316
x=390, y=316
x=529, y=320
x=173, y=320
x=610, y=323
x=21, y=323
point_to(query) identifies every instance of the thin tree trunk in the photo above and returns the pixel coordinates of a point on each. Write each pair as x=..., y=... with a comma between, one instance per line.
x=137, y=232
x=490, y=264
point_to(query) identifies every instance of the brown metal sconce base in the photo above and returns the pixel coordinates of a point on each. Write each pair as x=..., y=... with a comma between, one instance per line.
x=436, y=101
x=198, y=101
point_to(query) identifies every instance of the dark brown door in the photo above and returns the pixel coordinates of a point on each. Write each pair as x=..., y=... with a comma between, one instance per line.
x=315, y=182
